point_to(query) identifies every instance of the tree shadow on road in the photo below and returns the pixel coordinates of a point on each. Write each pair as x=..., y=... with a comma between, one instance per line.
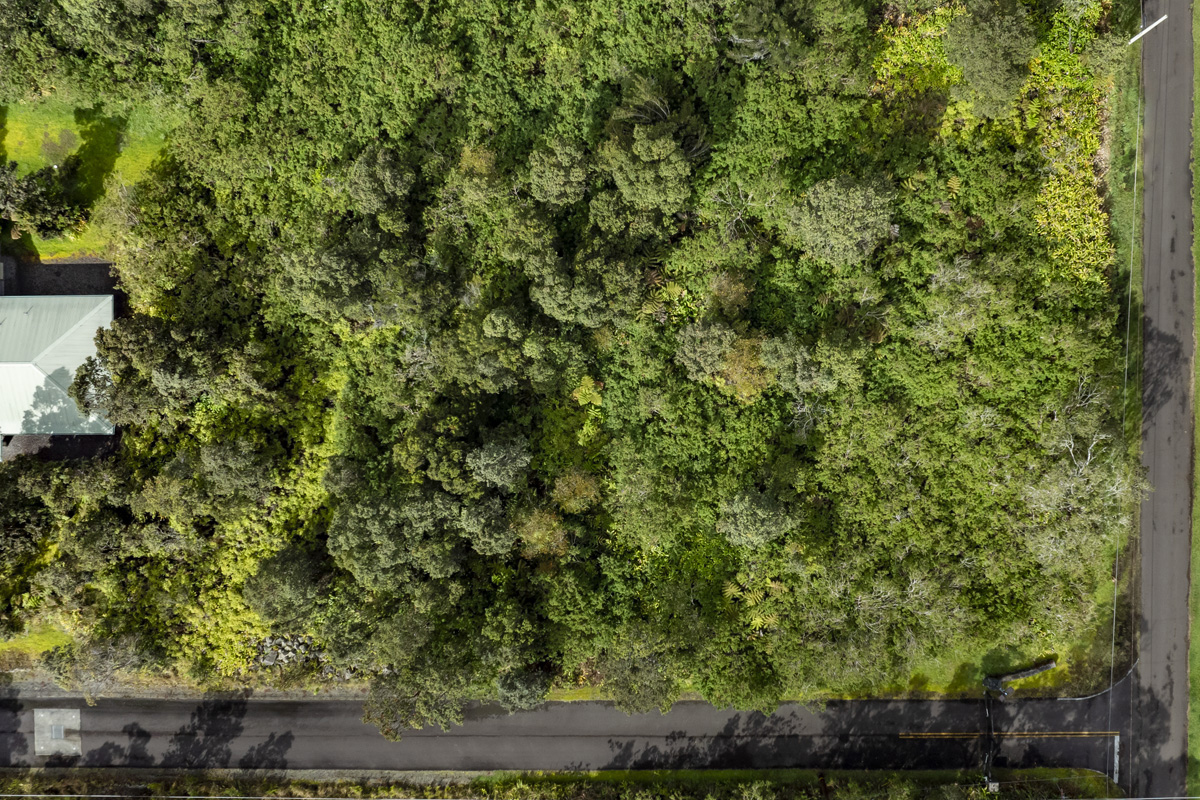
x=13, y=743
x=135, y=754
x=849, y=737
x=269, y=755
x=1163, y=368
x=206, y=742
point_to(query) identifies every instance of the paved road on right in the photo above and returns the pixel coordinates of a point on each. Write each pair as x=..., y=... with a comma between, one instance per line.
x=1160, y=692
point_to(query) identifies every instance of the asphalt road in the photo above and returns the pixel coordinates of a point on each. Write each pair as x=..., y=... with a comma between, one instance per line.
x=315, y=734
x=1160, y=693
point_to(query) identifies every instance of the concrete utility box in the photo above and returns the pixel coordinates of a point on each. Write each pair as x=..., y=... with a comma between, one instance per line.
x=56, y=732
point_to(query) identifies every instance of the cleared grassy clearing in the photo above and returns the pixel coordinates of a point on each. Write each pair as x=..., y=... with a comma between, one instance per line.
x=114, y=146
x=22, y=652
x=36, y=641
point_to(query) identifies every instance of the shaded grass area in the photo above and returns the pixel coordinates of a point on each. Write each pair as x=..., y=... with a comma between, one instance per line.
x=109, y=145
x=616, y=785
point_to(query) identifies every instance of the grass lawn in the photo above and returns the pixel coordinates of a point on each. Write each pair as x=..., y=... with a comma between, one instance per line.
x=23, y=650
x=115, y=144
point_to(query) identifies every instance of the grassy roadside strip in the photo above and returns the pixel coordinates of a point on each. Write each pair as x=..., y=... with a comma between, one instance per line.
x=1125, y=194
x=1193, y=770
x=615, y=785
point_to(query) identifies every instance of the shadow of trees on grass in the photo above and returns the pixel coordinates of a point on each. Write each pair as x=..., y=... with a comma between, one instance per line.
x=58, y=198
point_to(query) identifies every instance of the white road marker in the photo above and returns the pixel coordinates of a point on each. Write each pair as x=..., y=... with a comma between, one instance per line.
x=1117, y=758
x=1149, y=28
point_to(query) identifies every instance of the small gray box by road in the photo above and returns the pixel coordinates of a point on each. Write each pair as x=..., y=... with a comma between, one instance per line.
x=56, y=732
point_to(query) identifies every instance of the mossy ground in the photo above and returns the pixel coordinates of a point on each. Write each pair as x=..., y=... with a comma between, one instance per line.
x=22, y=652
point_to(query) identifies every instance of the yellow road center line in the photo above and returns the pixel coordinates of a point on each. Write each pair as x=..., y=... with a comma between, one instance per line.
x=1006, y=734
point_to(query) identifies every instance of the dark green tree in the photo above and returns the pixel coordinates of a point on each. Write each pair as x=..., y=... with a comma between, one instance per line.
x=992, y=44
x=287, y=589
x=501, y=461
x=44, y=201
x=523, y=689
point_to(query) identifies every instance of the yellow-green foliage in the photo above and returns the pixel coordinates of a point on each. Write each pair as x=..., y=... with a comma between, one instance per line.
x=576, y=491
x=1065, y=105
x=542, y=534
x=1071, y=216
x=1061, y=114
x=221, y=629
x=913, y=59
x=588, y=393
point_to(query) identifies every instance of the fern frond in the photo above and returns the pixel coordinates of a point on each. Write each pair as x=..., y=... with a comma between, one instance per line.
x=651, y=307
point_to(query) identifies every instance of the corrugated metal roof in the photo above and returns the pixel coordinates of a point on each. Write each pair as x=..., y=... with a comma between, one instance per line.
x=43, y=340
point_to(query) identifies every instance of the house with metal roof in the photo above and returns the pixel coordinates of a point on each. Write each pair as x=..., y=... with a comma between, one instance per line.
x=43, y=340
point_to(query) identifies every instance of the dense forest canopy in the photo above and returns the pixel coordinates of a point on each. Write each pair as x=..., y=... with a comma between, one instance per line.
x=755, y=347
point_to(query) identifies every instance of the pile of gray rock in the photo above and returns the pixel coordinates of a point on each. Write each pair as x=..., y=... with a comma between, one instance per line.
x=282, y=651
x=332, y=673
x=278, y=651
